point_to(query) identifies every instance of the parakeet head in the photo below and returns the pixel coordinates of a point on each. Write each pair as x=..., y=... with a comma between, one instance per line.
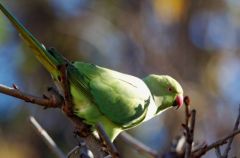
x=166, y=91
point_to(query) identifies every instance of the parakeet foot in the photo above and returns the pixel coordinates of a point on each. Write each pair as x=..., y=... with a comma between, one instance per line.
x=81, y=131
x=53, y=94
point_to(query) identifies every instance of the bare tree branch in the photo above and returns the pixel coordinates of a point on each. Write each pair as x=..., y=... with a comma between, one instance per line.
x=52, y=102
x=137, y=145
x=202, y=151
x=110, y=146
x=67, y=108
x=189, y=129
x=228, y=147
x=47, y=139
x=228, y=139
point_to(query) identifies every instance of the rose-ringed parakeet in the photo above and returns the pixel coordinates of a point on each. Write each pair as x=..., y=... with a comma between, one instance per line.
x=119, y=101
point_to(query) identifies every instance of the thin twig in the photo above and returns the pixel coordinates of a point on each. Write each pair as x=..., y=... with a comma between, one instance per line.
x=110, y=146
x=139, y=146
x=228, y=139
x=52, y=102
x=190, y=134
x=67, y=95
x=228, y=147
x=202, y=151
x=48, y=140
x=189, y=129
x=187, y=113
x=218, y=152
x=74, y=151
x=80, y=151
x=192, y=126
x=82, y=129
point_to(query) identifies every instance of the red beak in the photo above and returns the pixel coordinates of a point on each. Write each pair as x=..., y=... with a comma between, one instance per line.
x=179, y=101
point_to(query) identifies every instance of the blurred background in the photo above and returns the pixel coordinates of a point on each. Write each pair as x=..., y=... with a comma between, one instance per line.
x=196, y=42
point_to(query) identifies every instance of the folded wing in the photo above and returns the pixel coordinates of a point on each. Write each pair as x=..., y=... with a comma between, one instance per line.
x=121, y=98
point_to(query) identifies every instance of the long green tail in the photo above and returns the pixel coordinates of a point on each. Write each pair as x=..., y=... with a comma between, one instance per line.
x=45, y=57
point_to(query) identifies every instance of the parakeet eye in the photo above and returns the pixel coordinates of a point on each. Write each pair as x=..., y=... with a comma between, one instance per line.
x=170, y=89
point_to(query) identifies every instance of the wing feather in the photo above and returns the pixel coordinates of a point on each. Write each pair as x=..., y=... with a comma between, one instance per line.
x=121, y=98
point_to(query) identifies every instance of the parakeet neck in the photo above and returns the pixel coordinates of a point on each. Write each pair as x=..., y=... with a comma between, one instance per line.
x=157, y=97
x=151, y=86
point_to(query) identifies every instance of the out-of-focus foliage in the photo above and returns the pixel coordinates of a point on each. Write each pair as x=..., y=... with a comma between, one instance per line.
x=197, y=42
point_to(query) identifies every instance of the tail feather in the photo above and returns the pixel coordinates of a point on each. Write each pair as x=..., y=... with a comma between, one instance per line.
x=48, y=61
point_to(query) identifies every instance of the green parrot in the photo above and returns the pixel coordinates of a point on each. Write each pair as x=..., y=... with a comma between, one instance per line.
x=118, y=101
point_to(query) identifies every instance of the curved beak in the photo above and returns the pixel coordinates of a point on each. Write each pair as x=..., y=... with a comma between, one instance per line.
x=178, y=101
